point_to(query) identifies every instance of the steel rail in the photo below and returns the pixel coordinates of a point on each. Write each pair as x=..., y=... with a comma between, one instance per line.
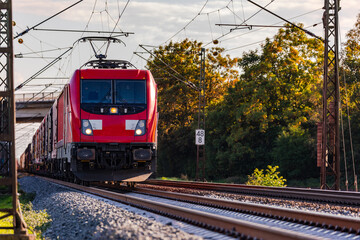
x=349, y=224
x=211, y=221
x=284, y=192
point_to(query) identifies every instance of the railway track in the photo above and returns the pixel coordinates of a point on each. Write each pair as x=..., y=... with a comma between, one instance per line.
x=228, y=216
x=325, y=196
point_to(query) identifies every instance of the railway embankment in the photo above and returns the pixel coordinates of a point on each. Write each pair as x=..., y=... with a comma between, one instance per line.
x=173, y=211
x=77, y=215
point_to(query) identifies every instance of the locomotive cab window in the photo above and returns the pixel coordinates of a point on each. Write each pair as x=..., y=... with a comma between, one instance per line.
x=130, y=91
x=102, y=96
x=96, y=91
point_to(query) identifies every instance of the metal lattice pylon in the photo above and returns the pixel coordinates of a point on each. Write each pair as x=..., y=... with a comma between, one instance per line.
x=8, y=171
x=330, y=157
x=201, y=118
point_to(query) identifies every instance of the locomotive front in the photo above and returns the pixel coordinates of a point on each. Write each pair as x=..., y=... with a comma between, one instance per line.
x=113, y=122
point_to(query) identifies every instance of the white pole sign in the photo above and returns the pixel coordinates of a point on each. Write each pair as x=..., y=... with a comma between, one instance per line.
x=200, y=137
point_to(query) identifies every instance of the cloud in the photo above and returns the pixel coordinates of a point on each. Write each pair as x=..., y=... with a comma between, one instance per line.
x=156, y=21
x=18, y=77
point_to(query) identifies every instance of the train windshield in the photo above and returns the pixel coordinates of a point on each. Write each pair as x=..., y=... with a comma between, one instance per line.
x=130, y=91
x=122, y=92
x=96, y=91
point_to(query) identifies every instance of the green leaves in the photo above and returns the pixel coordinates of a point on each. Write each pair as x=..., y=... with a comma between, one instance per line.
x=171, y=66
x=279, y=89
x=265, y=115
x=271, y=178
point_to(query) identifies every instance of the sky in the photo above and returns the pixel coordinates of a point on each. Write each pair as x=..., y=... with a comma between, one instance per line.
x=152, y=23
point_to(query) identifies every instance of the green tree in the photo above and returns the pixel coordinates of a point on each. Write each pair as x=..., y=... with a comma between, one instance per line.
x=293, y=145
x=279, y=89
x=172, y=65
x=350, y=74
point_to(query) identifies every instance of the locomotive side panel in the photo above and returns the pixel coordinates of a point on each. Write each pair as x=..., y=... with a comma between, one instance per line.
x=54, y=129
x=37, y=147
x=60, y=121
x=152, y=110
x=74, y=106
x=22, y=161
x=49, y=134
x=67, y=118
x=28, y=157
x=46, y=136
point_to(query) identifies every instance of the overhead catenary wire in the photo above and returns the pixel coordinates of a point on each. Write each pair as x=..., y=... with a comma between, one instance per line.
x=244, y=21
x=28, y=125
x=50, y=84
x=43, y=51
x=87, y=25
x=23, y=104
x=201, y=12
x=252, y=31
x=39, y=53
x=180, y=79
x=350, y=136
x=29, y=29
x=344, y=149
x=28, y=132
x=41, y=40
x=83, y=31
x=183, y=80
x=193, y=19
x=294, y=25
x=234, y=14
x=171, y=74
x=243, y=12
x=111, y=32
x=42, y=70
x=349, y=125
x=82, y=34
x=120, y=15
x=251, y=26
x=66, y=64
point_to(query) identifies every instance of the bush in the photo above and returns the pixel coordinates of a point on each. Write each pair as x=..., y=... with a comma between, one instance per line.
x=270, y=178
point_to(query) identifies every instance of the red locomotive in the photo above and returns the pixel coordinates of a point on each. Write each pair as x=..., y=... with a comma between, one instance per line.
x=103, y=126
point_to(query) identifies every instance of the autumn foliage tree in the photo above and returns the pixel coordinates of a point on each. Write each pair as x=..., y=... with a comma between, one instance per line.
x=262, y=109
x=274, y=105
x=173, y=65
x=350, y=96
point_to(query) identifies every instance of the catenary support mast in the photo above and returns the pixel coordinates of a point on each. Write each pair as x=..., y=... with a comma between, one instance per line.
x=200, y=160
x=8, y=171
x=330, y=156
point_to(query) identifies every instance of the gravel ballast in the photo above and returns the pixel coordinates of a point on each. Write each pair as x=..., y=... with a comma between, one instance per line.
x=347, y=211
x=77, y=215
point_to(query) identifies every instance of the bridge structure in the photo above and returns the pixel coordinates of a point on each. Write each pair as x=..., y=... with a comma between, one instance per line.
x=32, y=107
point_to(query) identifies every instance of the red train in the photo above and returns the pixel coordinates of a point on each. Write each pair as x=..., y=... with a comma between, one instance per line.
x=103, y=127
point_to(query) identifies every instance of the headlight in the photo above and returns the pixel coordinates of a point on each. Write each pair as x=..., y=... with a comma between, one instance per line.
x=140, y=128
x=114, y=110
x=88, y=131
x=86, y=128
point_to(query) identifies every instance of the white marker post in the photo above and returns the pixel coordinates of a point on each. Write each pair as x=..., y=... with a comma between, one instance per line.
x=200, y=137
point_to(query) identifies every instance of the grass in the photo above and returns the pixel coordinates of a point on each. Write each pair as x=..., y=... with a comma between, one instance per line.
x=5, y=201
x=37, y=220
x=182, y=178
